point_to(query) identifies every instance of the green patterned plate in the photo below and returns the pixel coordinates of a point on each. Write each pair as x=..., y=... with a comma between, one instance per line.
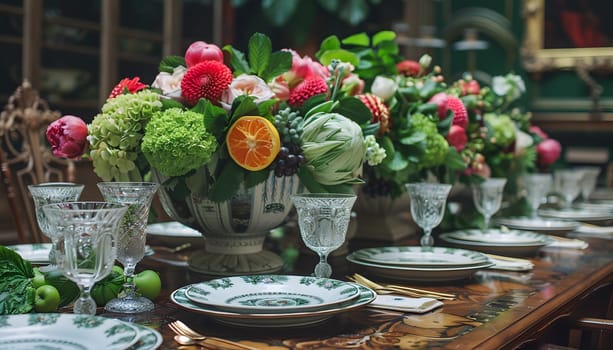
x=65, y=332
x=35, y=253
x=149, y=339
x=271, y=293
x=420, y=256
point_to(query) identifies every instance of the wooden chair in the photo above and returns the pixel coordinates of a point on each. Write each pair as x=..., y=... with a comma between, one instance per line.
x=26, y=158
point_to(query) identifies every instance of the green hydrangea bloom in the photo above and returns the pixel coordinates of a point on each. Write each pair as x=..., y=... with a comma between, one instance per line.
x=115, y=135
x=501, y=128
x=176, y=142
x=436, y=145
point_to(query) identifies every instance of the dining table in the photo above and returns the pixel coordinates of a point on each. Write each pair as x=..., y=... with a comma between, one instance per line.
x=492, y=309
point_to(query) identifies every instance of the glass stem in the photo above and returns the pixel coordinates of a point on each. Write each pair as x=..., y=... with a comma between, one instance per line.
x=486, y=223
x=129, y=286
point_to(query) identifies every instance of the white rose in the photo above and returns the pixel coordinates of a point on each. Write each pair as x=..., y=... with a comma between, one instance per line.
x=246, y=84
x=384, y=87
x=170, y=84
x=522, y=141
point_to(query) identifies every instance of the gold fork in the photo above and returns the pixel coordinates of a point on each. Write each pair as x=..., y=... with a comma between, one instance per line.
x=182, y=329
x=415, y=292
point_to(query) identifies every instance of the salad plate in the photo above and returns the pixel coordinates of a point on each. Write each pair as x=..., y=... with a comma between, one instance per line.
x=595, y=205
x=418, y=274
x=420, y=256
x=526, y=244
x=35, y=252
x=583, y=215
x=543, y=225
x=274, y=320
x=271, y=293
x=65, y=331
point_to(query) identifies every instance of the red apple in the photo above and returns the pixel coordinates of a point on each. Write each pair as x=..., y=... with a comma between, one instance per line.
x=200, y=51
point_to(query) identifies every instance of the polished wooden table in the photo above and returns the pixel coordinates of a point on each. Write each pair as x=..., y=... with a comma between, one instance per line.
x=494, y=309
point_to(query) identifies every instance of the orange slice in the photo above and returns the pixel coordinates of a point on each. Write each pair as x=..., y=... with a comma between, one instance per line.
x=253, y=142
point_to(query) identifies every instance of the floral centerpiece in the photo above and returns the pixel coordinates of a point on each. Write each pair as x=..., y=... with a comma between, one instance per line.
x=229, y=143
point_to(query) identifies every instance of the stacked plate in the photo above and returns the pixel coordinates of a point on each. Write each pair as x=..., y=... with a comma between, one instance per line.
x=423, y=264
x=496, y=241
x=272, y=300
x=174, y=233
x=72, y=331
x=589, y=215
x=542, y=225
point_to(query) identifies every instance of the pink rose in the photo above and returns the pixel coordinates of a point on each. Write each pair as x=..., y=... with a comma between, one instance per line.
x=68, y=137
x=457, y=137
x=353, y=85
x=408, y=68
x=548, y=152
x=170, y=84
x=246, y=84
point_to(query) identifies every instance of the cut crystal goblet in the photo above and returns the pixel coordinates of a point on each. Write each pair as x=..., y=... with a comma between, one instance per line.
x=427, y=207
x=487, y=197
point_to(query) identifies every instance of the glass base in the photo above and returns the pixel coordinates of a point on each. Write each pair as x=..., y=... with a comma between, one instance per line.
x=129, y=305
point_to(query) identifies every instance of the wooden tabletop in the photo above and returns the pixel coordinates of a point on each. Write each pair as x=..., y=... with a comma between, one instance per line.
x=493, y=310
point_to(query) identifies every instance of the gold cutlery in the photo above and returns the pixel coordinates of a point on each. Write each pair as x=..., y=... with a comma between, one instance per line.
x=173, y=250
x=188, y=336
x=507, y=258
x=398, y=289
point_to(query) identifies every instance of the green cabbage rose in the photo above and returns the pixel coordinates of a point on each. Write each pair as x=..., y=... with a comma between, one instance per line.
x=334, y=148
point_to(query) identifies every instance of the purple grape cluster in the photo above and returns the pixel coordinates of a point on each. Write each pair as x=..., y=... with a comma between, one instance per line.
x=288, y=160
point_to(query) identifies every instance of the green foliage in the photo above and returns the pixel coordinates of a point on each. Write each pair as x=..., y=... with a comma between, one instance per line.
x=16, y=291
x=261, y=61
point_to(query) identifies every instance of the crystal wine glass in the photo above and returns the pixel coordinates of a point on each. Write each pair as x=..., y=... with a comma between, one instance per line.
x=568, y=184
x=87, y=244
x=131, y=240
x=323, y=219
x=588, y=180
x=487, y=197
x=48, y=193
x=428, y=207
x=537, y=187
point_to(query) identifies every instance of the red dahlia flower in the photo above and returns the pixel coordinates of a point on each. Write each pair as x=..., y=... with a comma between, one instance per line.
x=309, y=87
x=68, y=137
x=127, y=85
x=380, y=111
x=207, y=79
x=460, y=115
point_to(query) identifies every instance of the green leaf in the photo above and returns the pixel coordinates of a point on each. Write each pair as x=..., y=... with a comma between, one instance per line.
x=354, y=12
x=382, y=36
x=280, y=62
x=339, y=54
x=324, y=107
x=414, y=138
x=256, y=177
x=237, y=61
x=227, y=183
x=169, y=63
x=170, y=103
x=265, y=107
x=215, y=118
x=330, y=43
x=329, y=5
x=260, y=50
x=453, y=160
x=397, y=163
x=243, y=105
x=69, y=291
x=307, y=179
x=354, y=109
x=16, y=291
x=360, y=39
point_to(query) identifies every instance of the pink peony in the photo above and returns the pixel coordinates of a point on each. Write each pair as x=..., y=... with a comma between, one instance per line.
x=302, y=67
x=470, y=87
x=246, y=84
x=68, y=137
x=548, y=152
x=457, y=137
x=408, y=68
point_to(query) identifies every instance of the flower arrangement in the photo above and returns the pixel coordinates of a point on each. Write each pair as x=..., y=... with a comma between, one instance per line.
x=417, y=131
x=231, y=125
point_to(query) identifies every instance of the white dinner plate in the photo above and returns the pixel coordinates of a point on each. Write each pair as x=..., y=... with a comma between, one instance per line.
x=268, y=320
x=35, y=252
x=499, y=237
x=543, y=225
x=583, y=215
x=525, y=245
x=271, y=293
x=595, y=205
x=65, y=332
x=420, y=256
x=418, y=274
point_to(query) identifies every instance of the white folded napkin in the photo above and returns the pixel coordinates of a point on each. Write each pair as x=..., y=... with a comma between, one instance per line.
x=511, y=265
x=568, y=243
x=405, y=304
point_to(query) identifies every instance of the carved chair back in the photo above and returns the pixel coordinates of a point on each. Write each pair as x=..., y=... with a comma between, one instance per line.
x=26, y=158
